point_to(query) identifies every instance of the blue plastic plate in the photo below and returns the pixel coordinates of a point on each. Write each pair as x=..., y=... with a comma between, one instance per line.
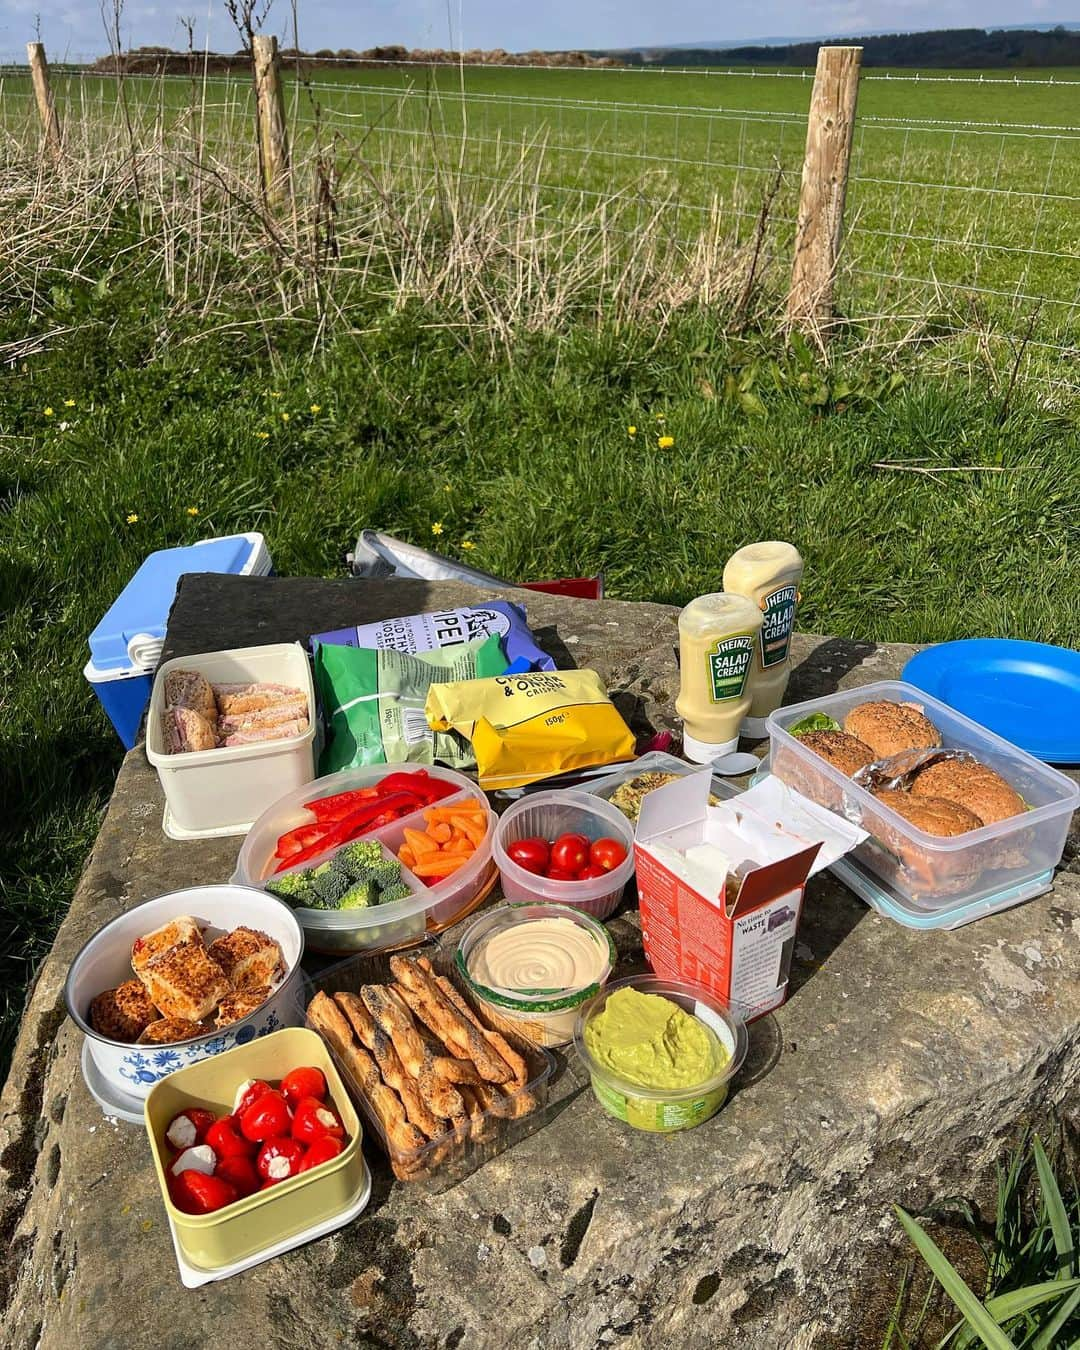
x=1028, y=692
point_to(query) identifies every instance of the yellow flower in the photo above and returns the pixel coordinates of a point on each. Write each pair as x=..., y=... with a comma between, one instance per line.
x=275, y=393
x=447, y=487
x=316, y=407
x=132, y=518
x=665, y=442
x=437, y=528
x=660, y=417
x=467, y=544
x=193, y=510
x=263, y=435
x=631, y=431
x=69, y=403
x=284, y=417
x=48, y=412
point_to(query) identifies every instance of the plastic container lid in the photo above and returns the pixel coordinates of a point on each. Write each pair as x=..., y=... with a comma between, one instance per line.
x=131, y=634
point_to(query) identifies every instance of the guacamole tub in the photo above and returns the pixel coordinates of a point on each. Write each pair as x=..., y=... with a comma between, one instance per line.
x=692, y=1053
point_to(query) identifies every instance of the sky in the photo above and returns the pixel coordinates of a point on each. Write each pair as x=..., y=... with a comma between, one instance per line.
x=74, y=27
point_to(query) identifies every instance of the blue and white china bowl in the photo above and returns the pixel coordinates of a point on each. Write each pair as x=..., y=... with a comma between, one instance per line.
x=105, y=962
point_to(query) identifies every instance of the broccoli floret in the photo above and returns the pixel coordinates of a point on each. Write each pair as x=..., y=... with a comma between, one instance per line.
x=294, y=888
x=330, y=884
x=386, y=873
x=398, y=891
x=358, y=857
x=360, y=895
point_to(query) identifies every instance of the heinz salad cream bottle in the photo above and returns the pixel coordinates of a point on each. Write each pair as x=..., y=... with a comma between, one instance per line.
x=769, y=574
x=718, y=636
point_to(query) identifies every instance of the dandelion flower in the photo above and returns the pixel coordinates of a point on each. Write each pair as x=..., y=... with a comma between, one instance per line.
x=275, y=393
x=660, y=417
x=284, y=417
x=69, y=403
x=468, y=545
x=437, y=528
x=665, y=442
x=193, y=510
x=447, y=487
x=631, y=432
x=263, y=435
x=316, y=407
x=132, y=518
x=48, y=412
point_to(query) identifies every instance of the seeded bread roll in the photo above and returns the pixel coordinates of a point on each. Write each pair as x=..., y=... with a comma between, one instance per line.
x=974, y=786
x=887, y=728
x=935, y=815
x=843, y=751
x=124, y=1013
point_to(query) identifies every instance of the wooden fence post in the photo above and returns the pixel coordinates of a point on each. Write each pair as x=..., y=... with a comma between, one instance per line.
x=829, y=134
x=39, y=75
x=270, y=113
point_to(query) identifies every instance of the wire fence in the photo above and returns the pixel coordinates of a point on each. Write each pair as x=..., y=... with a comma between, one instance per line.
x=963, y=205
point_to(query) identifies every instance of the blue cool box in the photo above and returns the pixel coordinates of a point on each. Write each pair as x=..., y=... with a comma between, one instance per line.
x=126, y=644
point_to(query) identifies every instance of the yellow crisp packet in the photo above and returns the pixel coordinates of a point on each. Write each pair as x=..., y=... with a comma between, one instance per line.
x=525, y=727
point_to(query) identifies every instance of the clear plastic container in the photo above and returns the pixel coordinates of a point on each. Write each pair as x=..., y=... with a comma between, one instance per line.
x=656, y=761
x=663, y=1112
x=428, y=909
x=444, y=1161
x=547, y=815
x=546, y=1017
x=220, y=792
x=926, y=872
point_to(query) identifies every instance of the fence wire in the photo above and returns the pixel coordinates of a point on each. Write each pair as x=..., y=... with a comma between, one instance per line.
x=963, y=205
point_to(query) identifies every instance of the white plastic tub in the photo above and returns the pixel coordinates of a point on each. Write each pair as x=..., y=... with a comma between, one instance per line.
x=220, y=792
x=925, y=872
x=547, y=815
x=429, y=909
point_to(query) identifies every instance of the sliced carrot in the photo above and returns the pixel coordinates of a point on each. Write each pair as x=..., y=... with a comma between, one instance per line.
x=437, y=814
x=462, y=846
x=420, y=843
x=473, y=830
x=441, y=833
x=407, y=856
x=440, y=866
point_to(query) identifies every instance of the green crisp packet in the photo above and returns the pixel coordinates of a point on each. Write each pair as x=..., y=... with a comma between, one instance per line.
x=373, y=702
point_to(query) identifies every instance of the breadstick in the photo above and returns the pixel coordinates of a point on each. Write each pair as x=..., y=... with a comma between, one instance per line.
x=394, y=1074
x=463, y=1036
x=398, y=1025
x=325, y=1016
x=518, y=1067
x=358, y=1015
x=441, y=1096
x=455, y=1070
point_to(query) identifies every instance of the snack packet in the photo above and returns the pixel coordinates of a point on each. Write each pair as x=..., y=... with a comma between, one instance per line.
x=525, y=727
x=373, y=702
x=448, y=628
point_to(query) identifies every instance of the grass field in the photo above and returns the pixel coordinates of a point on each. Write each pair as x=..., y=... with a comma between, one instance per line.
x=418, y=350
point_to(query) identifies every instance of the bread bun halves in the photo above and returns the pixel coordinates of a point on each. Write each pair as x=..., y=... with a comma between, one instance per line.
x=974, y=786
x=887, y=727
x=934, y=815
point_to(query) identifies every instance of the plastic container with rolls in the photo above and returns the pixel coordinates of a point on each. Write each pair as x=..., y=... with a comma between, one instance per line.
x=399, y=922
x=546, y=815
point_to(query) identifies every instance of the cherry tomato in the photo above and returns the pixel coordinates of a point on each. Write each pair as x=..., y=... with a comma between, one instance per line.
x=532, y=854
x=607, y=853
x=303, y=1082
x=313, y=1120
x=196, y=1193
x=322, y=1150
x=266, y=1118
x=239, y=1172
x=561, y=874
x=248, y=1092
x=591, y=873
x=189, y=1128
x=280, y=1159
x=570, y=853
x=225, y=1139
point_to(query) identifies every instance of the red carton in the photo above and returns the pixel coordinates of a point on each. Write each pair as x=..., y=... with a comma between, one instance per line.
x=738, y=943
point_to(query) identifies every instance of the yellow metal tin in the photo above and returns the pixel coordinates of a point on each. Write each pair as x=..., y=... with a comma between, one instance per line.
x=211, y=1241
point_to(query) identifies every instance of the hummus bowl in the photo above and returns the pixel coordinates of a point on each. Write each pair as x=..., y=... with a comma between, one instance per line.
x=665, y=1110
x=129, y=1071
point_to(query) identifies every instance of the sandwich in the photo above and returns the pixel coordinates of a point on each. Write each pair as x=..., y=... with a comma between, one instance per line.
x=249, y=958
x=972, y=785
x=236, y=1005
x=186, y=730
x=189, y=689
x=235, y=699
x=181, y=929
x=888, y=728
x=124, y=1013
x=185, y=981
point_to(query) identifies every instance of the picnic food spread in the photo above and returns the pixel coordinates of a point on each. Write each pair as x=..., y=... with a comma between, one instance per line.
x=445, y=1045
x=181, y=984
x=203, y=716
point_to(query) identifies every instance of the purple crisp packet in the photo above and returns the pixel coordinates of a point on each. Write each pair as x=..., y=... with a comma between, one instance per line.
x=448, y=628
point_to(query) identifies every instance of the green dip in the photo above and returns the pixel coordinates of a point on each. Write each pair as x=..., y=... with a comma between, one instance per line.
x=650, y=1041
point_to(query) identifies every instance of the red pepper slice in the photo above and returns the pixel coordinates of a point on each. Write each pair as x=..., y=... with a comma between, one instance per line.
x=293, y=841
x=420, y=784
x=329, y=809
x=368, y=817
